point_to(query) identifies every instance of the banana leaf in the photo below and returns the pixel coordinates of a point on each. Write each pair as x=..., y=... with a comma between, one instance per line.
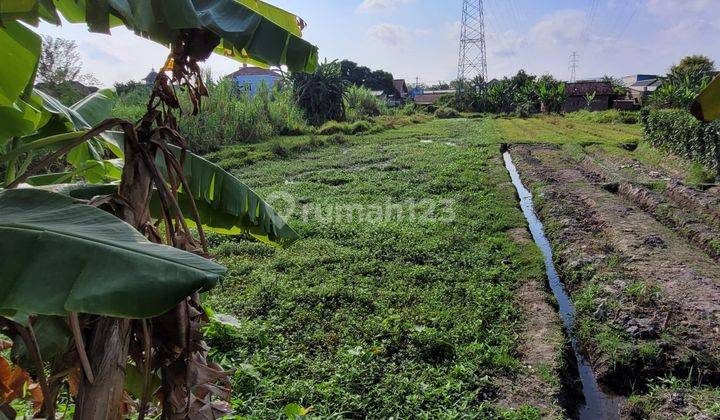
x=59, y=256
x=19, y=55
x=226, y=205
x=706, y=106
x=53, y=337
x=249, y=30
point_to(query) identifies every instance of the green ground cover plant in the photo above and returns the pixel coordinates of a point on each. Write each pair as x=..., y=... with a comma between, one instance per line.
x=387, y=317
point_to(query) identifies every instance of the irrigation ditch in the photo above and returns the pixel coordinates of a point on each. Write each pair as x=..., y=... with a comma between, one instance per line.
x=635, y=271
x=595, y=402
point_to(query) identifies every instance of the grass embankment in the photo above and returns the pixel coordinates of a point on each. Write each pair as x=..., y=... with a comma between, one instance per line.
x=376, y=316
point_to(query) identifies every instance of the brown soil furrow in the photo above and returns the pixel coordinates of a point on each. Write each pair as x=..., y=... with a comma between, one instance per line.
x=704, y=203
x=684, y=220
x=698, y=201
x=649, y=251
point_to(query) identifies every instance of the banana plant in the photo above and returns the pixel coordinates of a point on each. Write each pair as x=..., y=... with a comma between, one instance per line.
x=590, y=98
x=113, y=271
x=706, y=106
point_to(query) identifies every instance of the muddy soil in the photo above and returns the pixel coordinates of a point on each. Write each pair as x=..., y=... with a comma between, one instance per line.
x=543, y=340
x=638, y=263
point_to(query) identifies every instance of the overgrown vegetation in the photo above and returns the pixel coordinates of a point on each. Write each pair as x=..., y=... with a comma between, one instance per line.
x=684, y=81
x=361, y=104
x=230, y=115
x=130, y=340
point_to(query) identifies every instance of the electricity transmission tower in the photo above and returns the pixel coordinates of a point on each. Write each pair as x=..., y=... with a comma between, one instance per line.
x=473, y=54
x=574, y=63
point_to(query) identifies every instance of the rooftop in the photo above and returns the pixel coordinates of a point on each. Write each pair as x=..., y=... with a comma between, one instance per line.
x=588, y=87
x=254, y=71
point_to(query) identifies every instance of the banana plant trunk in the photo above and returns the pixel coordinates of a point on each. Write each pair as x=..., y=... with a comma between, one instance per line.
x=110, y=337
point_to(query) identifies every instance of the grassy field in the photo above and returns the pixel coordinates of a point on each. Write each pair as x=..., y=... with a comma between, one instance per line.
x=399, y=300
x=404, y=297
x=561, y=130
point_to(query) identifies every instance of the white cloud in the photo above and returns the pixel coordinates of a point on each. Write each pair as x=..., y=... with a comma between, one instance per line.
x=394, y=36
x=374, y=6
x=507, y=44
x=564, y=27
x=678, y=8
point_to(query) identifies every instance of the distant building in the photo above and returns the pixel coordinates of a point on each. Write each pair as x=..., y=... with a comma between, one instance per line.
x=578, y=91
x=249, y=79
x=635, y=78
x=150, y=78
x=429, y=97
x=640, y=86
x=400, y=93
x=640, y=91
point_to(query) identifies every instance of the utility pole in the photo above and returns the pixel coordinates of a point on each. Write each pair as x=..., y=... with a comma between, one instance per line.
x=574, y=63
x=473, y=54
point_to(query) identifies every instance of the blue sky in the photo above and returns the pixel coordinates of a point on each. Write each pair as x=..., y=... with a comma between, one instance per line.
x=419, y=38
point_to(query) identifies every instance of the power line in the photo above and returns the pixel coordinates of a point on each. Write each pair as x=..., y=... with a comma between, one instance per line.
x=629, y=20
x=591, y=20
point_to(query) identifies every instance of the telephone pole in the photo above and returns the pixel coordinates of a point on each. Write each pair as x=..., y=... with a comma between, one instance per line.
x=574, y=63
x=473, y=54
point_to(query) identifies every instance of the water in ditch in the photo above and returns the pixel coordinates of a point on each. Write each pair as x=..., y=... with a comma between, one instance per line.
x=598, y=404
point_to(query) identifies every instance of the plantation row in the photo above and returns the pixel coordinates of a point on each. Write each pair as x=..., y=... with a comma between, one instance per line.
x=677, y=131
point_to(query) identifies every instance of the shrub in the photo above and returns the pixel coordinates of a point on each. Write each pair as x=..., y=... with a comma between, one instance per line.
x=407, y=110
x=332, y=127
x=360, y=127
x=361, y=103
x=447, y=113
x=286, y=118
x=677, y=93
x=524, y=109
x=678, y=131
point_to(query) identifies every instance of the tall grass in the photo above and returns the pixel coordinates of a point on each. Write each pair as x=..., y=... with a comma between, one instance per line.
x=132, y=105
x=230, y=117
x=361, y=104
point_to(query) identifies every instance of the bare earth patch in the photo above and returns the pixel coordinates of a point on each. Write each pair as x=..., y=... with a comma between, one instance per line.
x=540, y=350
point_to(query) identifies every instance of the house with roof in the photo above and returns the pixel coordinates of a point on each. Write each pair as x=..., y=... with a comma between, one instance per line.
x=578, y=92
x=149, y=80
x=400, y=94
x=249, y=79
x=429, y=97
x=640, y=86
